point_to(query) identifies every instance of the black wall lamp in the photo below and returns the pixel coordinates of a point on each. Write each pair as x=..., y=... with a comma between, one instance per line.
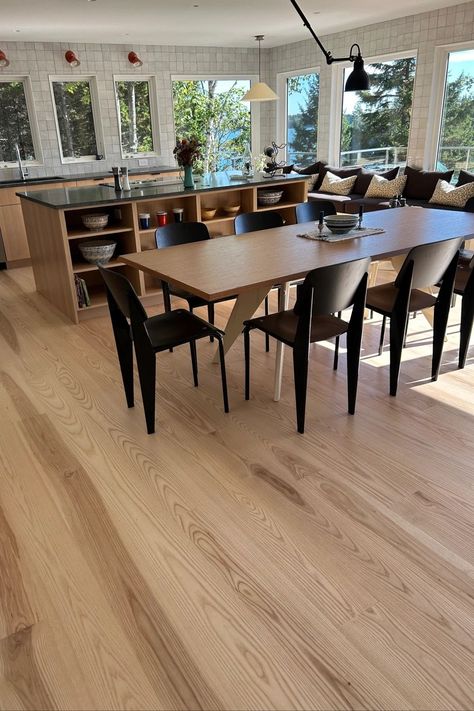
x=358, y=79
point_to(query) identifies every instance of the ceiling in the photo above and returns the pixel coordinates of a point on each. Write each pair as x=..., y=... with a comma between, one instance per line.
x=223, y=23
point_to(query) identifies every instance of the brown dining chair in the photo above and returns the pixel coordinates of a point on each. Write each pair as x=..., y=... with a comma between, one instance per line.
x=464, y=287
x=324, y=292
x=424, y=266
x=253, y=222
x=151, y=335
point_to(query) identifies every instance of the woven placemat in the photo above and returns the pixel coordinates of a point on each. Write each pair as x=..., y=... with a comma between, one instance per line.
x=327, y=236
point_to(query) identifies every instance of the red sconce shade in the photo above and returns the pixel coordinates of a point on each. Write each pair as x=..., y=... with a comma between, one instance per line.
x=71, y=58
x=4, y=62
x=134, y=59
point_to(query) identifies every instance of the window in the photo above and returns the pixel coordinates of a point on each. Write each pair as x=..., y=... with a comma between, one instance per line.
x=16, y=126
x=136, y=116
x=301, y=117
x=213, y=112
x=76, y=120
x=456, y=138
x=376, y=123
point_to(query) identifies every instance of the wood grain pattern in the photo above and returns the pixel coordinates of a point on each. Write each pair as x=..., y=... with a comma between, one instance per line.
x=227, y=562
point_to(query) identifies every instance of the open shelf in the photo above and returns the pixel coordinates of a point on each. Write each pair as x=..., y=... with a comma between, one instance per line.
x=79, y=267
x=278, y=206
x=77, y=234
x=225, y=218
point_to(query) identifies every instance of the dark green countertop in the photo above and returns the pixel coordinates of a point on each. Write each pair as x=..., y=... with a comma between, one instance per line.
x=63, y=198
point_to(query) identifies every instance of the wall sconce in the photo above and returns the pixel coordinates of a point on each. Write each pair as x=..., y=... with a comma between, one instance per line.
x=134, y=59
x=4, y=61
x=71, y=58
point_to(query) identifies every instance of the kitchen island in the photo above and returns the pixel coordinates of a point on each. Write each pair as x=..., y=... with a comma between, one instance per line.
x=54, y=227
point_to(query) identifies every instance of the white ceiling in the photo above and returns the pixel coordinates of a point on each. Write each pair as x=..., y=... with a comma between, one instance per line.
x=222, y=23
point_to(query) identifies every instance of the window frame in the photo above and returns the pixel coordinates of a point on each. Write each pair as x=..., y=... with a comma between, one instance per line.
x=436, y=105
x=254, y=108
x=154, y=114
x=282, y=112
x=96, y=117
x=32, y=118
x=337, y=98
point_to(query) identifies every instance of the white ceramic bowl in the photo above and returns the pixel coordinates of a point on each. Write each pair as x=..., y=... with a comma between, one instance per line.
x=95, y=221
x=269, y=197
x=98, y=251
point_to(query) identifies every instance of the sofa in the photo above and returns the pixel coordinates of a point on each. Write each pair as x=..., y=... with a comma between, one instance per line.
x=419, y=187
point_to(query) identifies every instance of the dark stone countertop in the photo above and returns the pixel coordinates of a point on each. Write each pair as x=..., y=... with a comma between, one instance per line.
x=151, y=170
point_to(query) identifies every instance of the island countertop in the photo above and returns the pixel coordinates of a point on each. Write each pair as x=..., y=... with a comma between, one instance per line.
x=64, y=198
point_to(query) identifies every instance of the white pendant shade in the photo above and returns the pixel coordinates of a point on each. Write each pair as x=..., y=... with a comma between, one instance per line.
x=260, y=92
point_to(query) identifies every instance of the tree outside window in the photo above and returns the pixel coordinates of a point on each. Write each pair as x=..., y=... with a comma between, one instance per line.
x=302, y=102
x=75, y=119
x=376, y=123
x=15, y=127
x=135, y=117
x=456, y=141
x=212, y=111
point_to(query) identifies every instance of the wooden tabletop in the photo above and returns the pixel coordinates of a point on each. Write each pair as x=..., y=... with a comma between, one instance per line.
x=230, y=265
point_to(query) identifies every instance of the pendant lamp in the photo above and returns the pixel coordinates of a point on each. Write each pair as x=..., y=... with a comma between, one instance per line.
x=260, y=91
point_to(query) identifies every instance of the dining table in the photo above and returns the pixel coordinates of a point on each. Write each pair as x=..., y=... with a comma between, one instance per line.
x=248, y=265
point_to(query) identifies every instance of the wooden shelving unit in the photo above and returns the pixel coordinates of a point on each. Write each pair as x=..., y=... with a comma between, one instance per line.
x=54, y=236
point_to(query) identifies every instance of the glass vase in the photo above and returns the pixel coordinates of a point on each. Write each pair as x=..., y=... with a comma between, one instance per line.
x=188, y=177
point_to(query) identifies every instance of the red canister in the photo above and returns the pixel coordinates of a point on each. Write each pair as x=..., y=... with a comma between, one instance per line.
x=161, y=218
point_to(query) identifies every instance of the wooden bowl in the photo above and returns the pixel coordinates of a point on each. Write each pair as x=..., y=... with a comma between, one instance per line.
x=207, y=213
x=231, y=210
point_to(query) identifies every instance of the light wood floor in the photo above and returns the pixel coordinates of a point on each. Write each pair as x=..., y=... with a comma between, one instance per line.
x=228, y=562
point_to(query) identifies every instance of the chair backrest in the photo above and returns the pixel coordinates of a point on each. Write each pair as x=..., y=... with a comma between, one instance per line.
x=181, y=233
x=430, y=262
x=253, y=221
x=310, y=211
x=331, y=289
x=122, y=293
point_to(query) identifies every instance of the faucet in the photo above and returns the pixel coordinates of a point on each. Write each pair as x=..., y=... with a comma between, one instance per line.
x=23, y=171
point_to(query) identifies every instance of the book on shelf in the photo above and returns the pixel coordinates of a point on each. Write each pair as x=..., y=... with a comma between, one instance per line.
x=83, y=298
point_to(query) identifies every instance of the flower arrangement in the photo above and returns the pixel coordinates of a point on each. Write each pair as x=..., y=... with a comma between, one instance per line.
x=187, y=151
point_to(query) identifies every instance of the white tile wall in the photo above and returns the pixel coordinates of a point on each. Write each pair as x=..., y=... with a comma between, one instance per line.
x=422, y=32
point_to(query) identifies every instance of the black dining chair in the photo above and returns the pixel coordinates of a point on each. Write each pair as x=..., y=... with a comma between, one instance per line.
x=310, y=211
x=151, y=335
x=253, y=222
x=464, y=287
x=424, y=266
x=185, y=233
x=325, y=291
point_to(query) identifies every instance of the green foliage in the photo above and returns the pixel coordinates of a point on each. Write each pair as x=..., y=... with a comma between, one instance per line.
x=75, y=118
x=14, y=122
x=133, y=98
x=303, y=125
x=457, y=127
x=218, y=120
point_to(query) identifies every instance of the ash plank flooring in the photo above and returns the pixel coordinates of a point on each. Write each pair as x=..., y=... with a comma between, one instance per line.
x=227, y=562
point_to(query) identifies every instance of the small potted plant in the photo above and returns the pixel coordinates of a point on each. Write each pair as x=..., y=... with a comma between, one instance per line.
x=187, y=152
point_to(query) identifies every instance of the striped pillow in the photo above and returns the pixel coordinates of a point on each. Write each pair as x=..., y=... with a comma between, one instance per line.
x=447, y=194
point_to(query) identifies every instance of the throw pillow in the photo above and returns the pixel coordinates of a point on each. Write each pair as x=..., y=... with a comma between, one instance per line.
x=363, y=179
x=336, y=185
x=310, y=169
x=382, y=188
x=465, y=177
x=421, y=183
x=312, y=180
x=446, y=194
x=340, y=172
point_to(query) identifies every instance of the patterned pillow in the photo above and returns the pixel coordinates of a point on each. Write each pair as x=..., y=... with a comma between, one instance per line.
x=312, y=180
x=382, y=188
x=337, y=186
x=447, y=194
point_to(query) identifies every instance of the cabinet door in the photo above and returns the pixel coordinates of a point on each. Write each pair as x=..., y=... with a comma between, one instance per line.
x=13, y=233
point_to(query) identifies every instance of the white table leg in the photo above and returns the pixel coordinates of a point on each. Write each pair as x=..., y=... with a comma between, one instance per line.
x=283, y=299
x=244, y=308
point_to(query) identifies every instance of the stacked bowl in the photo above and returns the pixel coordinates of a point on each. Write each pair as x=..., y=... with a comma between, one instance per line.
x=340, y=224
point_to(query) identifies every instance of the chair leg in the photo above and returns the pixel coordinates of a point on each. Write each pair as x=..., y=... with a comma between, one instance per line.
x=441, y=315
x=192, y=346
x=166, y=299
x=300, y=370
x=124, y=345
x=223, y=374
x=267, y=337
x=247, y=362
x=406, y=331
x=146, y=361
x=210, y=318
x=397, y=335
x=382, y=335
x=467, y=318
x=354, y=339
x=336, y=347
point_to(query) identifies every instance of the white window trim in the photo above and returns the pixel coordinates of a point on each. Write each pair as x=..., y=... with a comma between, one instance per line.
x=337, y=98
x=99, y=136
x=282, y=112
x=255, y=107
x=435, y=111
x=155, y=125
x=34, y=126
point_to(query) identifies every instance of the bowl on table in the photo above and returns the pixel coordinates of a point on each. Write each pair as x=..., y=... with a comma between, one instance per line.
x=98, y=251
x=207, y=213
x=95, y=221
x=269, y=197
x=340, y=224
x=231, y=210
